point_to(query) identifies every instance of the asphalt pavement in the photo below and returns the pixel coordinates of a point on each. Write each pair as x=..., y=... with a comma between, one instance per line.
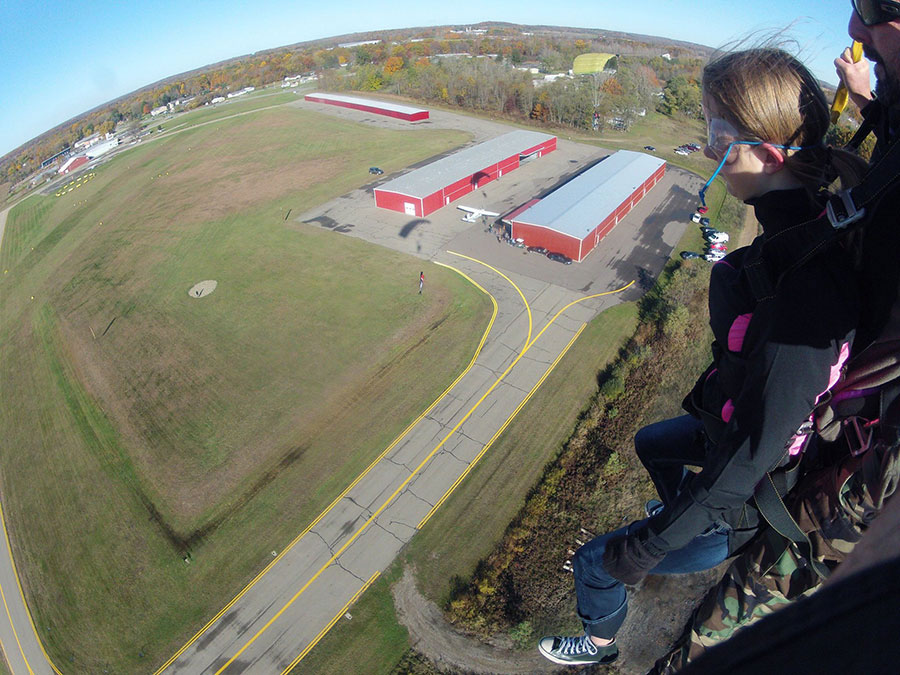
x=541, y=308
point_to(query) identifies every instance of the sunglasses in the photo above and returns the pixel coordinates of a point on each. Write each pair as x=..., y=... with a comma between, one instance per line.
x=872, y=12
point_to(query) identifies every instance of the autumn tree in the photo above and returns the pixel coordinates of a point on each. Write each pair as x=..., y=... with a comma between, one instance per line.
x=680, y=95
x=392, y=65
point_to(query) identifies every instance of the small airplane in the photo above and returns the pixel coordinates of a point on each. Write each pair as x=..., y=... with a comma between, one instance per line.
x=473, y=214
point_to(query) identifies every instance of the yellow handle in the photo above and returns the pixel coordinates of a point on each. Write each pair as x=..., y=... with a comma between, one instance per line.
x=841, y=96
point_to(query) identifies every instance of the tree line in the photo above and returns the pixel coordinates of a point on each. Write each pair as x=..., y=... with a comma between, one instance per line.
x=402, y=63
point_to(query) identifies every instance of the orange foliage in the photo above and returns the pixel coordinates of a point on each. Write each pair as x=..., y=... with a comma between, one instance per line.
x=392, y=65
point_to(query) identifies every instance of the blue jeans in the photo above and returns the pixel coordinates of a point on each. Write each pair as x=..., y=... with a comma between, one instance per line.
x=664, y=448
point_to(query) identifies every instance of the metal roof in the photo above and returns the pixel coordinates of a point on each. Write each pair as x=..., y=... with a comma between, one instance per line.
x=463, y=164
x=405, y=109
x=584, y=202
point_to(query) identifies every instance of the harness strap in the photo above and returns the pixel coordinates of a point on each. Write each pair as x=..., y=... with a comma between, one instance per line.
x=793, y=246
x=868, y=126
x=771, y=506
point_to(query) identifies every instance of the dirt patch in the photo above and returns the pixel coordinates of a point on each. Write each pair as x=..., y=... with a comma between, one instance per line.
x=657, y=612
x=448, y=649
x=202, y=289
x=225, y=192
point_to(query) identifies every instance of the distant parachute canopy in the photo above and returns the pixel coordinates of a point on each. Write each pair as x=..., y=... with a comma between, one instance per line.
x=585, y=64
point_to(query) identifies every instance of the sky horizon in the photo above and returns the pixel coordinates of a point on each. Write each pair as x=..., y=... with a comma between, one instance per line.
x=60, y=64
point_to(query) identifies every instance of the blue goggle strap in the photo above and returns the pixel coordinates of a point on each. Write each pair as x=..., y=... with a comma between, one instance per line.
x=725, y=156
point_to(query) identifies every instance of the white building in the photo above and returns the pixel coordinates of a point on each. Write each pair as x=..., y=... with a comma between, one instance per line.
x=101, y=148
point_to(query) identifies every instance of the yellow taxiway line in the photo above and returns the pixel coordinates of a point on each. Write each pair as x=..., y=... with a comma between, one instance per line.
x=343, y=494
x=528, y=343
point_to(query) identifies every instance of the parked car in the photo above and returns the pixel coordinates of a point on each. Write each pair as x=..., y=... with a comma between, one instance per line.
x=559, y=257
x=696, y=218
x=375, y=170
x=537, y=249
x=716, y=247
x=649, y=147
x=714, y=256
x=702, y=209
x=693, y=146
x=704, y=222
x=717, y=237
x=690, y=255
x=706, y=231
x=679, y=151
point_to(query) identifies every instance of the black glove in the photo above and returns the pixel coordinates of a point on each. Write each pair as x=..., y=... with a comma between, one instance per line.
x=627, y=559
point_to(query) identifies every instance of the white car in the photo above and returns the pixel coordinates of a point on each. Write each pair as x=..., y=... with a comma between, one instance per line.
x=696, y=218
x=717, y=238
x=714, y=256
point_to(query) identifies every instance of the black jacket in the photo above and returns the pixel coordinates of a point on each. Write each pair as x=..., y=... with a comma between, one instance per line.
x=771, y=360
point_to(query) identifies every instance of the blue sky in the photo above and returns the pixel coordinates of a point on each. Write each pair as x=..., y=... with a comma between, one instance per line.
x=59, y=59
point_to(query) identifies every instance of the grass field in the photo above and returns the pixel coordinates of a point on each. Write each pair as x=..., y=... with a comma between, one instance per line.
x=485, y=503
x=495, y=491
x=148, y=425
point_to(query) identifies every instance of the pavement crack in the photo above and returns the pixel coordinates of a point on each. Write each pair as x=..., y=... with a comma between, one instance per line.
x=327, y=545
x=393, y=534
x=339, y=564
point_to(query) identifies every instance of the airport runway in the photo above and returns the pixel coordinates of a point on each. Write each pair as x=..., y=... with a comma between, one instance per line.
x=540, y=309
x=280, y=615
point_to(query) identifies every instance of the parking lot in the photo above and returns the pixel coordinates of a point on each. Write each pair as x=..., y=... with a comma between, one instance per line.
x=636, y=249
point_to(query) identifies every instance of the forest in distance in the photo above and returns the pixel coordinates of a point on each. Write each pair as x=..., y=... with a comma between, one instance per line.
x=404, y=62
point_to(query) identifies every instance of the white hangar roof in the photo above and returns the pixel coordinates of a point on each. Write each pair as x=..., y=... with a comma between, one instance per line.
x=464, y=163
x=584, y=202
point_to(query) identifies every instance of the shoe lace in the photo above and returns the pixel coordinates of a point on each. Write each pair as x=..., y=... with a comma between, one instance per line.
x=575, y=646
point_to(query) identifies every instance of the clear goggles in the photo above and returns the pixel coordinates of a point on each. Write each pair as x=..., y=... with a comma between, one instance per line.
x=721, y=137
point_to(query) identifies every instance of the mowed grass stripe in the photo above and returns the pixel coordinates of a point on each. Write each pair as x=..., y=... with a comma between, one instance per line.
x=149, y=425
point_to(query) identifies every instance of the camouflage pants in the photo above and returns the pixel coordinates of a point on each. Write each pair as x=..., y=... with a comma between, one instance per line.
x=762, y=579
x=833, y=506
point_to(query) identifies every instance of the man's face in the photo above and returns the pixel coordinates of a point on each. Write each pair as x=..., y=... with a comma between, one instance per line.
x=881, y=45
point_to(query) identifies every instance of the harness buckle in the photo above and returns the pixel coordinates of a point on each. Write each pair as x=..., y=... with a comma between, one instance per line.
x=848, y=214
x=860, y=440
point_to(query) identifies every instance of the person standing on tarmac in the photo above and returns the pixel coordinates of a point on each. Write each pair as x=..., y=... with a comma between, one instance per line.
x=766, y=120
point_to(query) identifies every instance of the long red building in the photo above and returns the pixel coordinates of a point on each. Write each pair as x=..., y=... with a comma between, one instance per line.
x=403, y=112
x=574, y=218
x=435, y=185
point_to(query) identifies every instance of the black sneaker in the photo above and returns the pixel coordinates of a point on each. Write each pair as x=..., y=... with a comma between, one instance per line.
x=578, y=650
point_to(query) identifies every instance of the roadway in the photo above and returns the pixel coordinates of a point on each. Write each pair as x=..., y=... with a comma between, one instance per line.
x=540, y=309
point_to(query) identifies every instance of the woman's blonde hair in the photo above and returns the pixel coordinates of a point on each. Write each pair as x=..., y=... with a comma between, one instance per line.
x=768, y=95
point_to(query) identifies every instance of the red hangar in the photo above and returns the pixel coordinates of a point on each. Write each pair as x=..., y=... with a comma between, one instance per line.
x=402, y=112
x=574, y=218
x=435, y=185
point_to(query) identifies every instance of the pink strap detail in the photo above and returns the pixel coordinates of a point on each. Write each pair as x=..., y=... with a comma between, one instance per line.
x=797, y=444
x=799, y=441
x=737, y=332
x=727, y=411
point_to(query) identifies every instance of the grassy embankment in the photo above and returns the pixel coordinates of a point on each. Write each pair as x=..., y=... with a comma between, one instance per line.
x=148, y=425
